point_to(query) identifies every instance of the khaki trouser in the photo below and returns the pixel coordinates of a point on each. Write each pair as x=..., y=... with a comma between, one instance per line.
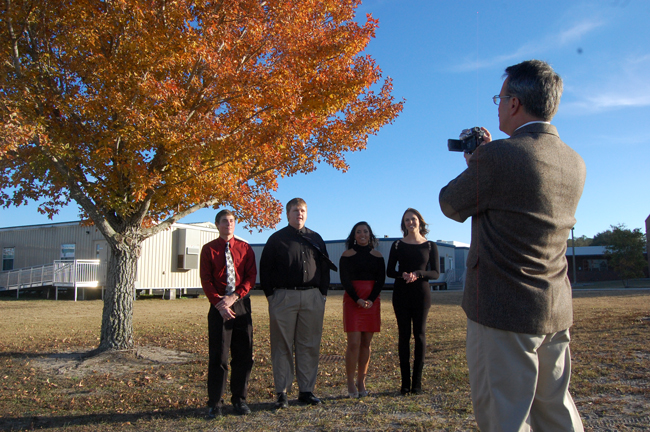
x=519, y=381
x=296, y=321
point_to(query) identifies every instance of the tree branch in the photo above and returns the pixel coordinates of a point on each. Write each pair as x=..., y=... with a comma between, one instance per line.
x=78, y=195
x=15, y=54
x=141, y=213
x=167, y=223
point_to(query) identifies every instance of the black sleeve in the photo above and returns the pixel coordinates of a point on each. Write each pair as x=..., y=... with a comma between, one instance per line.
x=345, y=268
x=324, y=268
x=434, y=263
x=380, y=279
x=391, y=272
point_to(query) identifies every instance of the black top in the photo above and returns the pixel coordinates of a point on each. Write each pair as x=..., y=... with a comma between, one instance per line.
x=362, y=266
x=412, y=257
x=289, y=260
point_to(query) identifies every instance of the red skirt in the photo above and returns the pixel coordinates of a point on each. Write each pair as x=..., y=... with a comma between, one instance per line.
x=356, y=318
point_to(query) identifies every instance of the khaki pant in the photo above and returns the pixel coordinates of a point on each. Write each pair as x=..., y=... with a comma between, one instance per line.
x=519, y=381
x=296, y=322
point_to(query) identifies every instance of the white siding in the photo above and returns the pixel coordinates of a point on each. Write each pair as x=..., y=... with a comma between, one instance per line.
x=158, y=264
x=157, y=267
x=41, y=244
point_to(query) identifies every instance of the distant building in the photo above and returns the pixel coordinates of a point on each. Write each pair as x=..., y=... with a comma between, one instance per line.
x=33, y=256
x=452, y=257
x=591, y=265
x=169, y=260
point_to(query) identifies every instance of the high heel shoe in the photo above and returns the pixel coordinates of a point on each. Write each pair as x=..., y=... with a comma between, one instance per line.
x=353, y=395
x=363, y=393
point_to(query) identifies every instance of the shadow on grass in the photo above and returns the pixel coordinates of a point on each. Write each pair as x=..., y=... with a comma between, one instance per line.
x=32, y=422
x=53, y=422
x=79, y=355
x=43, y=422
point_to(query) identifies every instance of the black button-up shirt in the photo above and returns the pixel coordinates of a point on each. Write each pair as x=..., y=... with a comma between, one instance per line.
x=289, y=260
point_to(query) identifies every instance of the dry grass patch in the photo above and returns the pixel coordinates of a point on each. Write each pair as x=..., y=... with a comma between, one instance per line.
x=45, y=381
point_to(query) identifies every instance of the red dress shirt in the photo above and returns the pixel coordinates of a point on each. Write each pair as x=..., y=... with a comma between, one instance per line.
x=213, y=268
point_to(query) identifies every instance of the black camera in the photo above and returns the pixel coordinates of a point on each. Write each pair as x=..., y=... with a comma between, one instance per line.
x=469, y=140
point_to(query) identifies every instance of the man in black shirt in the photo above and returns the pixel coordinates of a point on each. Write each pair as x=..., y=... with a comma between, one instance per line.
x=294, y=274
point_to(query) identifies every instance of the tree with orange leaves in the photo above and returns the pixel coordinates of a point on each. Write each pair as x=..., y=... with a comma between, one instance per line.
x=144, y=111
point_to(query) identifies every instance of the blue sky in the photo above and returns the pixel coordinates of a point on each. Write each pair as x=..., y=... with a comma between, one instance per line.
x=446, y=59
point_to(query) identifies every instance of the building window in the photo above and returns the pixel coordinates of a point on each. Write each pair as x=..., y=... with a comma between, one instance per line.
x=67, y=251
x=597, y=265
x=442, y=264
x=98, y=251
x=8, y=259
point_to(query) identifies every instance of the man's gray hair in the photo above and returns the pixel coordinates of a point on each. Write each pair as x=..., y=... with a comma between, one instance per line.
x=537, y=87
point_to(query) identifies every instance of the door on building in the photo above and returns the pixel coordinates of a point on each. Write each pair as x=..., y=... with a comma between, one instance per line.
x=102, y=253
x=452, y=269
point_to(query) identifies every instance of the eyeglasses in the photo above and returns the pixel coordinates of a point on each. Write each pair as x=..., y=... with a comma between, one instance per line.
x=496, y=98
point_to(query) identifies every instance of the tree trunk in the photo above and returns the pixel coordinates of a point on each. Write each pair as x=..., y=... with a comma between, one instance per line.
x=117, y=317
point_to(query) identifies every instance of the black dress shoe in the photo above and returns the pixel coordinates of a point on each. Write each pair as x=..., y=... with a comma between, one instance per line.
x=308, y=398
x=241, y=408
x=404, y=391
x=215, y=412
x=282, y=402
x=416, y=391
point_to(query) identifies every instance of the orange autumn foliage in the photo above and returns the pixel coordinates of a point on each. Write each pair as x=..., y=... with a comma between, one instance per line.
x=143, y=111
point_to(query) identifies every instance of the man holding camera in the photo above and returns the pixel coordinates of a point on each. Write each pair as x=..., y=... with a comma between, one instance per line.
x=522, y=194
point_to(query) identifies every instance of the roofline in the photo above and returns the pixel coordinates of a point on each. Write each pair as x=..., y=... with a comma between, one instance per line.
x=53, y=224
x=79, y=222
x=438, y=243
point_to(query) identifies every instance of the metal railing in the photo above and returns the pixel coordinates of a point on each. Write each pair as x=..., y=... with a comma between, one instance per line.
x=62, y=273
x=77, y=273
x=450, y=275
x=27, y=277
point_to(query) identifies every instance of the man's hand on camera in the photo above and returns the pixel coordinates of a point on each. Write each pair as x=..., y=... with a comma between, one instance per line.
x=487, y=137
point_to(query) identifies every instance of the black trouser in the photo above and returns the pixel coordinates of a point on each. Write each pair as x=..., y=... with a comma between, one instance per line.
x=406, y=316
x=236, y=336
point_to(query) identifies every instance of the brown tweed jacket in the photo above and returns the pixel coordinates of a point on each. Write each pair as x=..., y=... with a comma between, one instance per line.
x=522, y=194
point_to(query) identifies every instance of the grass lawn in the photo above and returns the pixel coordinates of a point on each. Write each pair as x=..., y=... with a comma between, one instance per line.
x=44, y=385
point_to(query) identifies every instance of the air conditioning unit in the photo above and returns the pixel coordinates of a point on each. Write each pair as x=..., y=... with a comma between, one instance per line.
x=188, y=262
x=189, y=248
x=192, y=250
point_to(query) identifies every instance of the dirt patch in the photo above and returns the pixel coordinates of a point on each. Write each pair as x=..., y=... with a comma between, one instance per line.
x=80, y=363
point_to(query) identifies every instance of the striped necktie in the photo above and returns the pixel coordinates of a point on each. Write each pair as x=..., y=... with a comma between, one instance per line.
x=230, y=271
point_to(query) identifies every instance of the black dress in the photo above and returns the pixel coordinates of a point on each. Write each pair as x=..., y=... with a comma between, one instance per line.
x=411, y=303
x=363, y=276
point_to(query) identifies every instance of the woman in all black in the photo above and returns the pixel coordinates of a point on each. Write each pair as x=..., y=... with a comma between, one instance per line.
x=362, y=276
x=418, y=262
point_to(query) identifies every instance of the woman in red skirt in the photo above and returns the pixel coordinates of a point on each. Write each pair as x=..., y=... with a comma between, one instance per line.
x=363, y=273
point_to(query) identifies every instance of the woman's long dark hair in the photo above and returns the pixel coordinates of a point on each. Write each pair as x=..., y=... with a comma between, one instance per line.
x=372, y=241
x=423, y=225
